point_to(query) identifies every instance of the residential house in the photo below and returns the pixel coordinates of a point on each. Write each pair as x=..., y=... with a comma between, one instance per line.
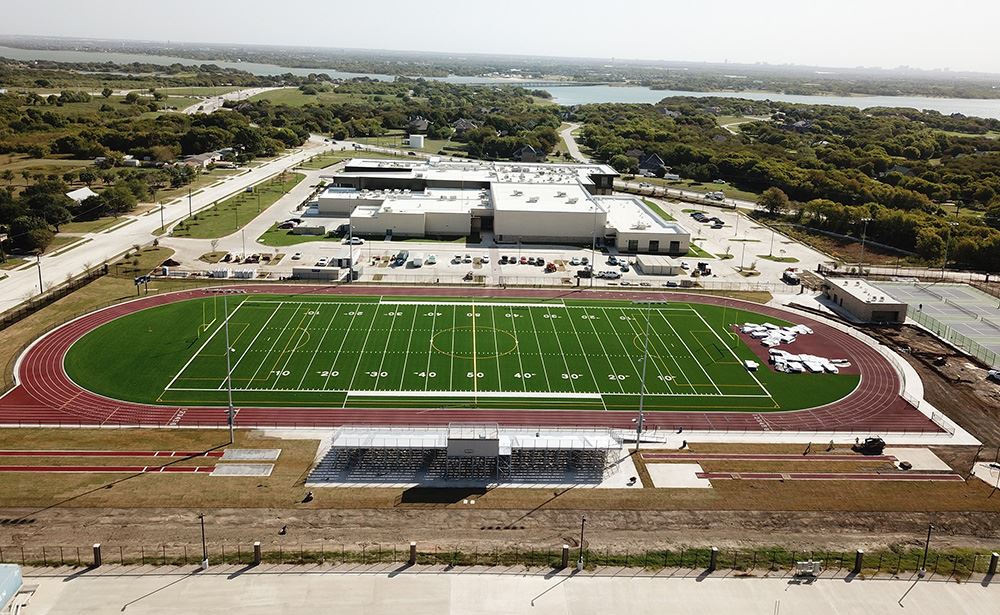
x=651, y=164
x=462, y=126
x=418, y=124
x=81, y=194
x=529, y=154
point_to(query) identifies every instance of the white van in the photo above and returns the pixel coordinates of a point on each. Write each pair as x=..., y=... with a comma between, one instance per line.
x=417, y=261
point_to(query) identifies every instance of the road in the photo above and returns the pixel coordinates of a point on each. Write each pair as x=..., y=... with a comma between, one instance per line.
x=212, y=104
x=22, y=283
x=571, y=145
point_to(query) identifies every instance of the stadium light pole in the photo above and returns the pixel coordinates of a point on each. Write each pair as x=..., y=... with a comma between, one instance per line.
x=864, y=236
x=927, y=545
x=944, y=264
x=230, y=413
x=38, y=264
x=642, y=382
x=190, y=211
x=204, y=544
x=593, y=247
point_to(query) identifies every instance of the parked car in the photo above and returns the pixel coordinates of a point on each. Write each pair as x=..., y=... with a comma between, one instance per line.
x=467, y=258
x=524, y=260
x=574, y=261
x=295, y=256
x=585, y=260
x=531, y=260
x=684, y=265
x=321, y=262
x=625, y=268
x=456, y=259
x=550, y=267
x=354, y=241
x=612, y=260
x=485, y=259
x=430, y=260
x=503, y=259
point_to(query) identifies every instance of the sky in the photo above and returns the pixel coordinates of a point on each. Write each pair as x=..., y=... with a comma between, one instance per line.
x=957, y=34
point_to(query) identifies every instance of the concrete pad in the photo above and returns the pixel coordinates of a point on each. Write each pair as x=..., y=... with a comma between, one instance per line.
x=243, y=469
x=677, y=476
x=251, y=454
x=985, y=472
x=920, y=458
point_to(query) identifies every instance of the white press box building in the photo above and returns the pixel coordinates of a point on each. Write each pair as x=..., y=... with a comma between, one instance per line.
x=528, y=202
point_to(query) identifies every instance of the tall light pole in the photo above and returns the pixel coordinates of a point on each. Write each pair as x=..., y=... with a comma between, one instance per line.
x=642, y=381
x=927, y=545
x=944, y=264
x=593, y=247
x=204, y=545
x=230, y=413
x=864, y=235
x=190, y=211
x=579, y=561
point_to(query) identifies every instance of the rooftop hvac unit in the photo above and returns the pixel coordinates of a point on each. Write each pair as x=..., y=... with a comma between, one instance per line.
x=572, y=200
x=518, y=193
x=452, y=197
x=388, y=209
x=533, y=199
x=560, y=194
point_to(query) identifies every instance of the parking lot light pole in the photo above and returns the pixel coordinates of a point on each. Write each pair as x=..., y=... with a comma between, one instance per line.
x=38, y=264
x=864, y=236
x=204, y=545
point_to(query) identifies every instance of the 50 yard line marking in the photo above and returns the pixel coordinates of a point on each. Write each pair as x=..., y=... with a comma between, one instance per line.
x=430, y=347
x=475, y=370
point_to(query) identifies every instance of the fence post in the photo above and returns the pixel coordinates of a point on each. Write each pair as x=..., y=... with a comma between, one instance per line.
x=992, y=570
x=413, y=554
x=713, y=561
x=859, y=559
x=97, y=555
x=564, y=562
x=256, y=553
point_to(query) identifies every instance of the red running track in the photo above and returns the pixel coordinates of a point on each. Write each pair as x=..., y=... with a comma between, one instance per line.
x=64, y=453
x=763, y=457
x=46, y=395
x=112, y=469
x=827, y=476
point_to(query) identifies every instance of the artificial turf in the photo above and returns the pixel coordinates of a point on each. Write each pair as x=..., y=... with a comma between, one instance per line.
x=434, y=353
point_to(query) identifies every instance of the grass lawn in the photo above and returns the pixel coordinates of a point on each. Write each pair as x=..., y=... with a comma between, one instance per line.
x=235, y=212
x=778, y=259
x=59, y=242
x=659, y=210
x=212, y=257
x=322, y=350
x=696, y=251
x=198, y=90
x=90, y=226
x=12, y=262
x=277, y=238
x=200, y=181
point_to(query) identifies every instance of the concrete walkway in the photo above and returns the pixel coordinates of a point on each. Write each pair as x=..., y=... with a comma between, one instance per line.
x=391, y=589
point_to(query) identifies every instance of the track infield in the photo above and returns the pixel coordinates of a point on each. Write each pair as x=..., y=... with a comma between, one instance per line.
x=515, y=357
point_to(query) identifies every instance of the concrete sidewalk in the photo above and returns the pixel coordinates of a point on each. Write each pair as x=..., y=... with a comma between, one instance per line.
x=393, y=589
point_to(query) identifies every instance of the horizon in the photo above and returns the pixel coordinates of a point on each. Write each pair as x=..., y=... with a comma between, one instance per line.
x=776, y=33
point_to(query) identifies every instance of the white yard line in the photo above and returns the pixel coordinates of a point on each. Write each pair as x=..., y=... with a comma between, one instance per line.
x=635, y=368
x=254, y=340
x=597, y=336
x=340, y=349
x=561, y=351
x=291, y=352
x=475, y=372
x=739, y=361
x=385, y=350
x=586, y=359
x=409, y=342
x=496, y=346
x=520, y=361
x=692, y=355
x=430, y=348
x=350, y=385
x=195, y=355
x=451, y=371
x=320, y=344
x=541, y=355
x=638, y=330
x=277, y=338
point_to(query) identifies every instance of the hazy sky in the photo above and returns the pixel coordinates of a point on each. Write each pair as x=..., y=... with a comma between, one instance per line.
x=956, y=34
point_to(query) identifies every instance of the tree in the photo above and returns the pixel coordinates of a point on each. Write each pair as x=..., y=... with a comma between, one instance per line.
x=624, y=164
x=30, y=234
x=774, y=200
x=929, y=244
x=132, y=98
x=88, y=177
x=56, y=215
x=107, y=92
x=7, y=176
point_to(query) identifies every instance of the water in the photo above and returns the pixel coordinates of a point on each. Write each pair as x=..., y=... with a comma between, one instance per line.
x=564, y=95
x=979, y=107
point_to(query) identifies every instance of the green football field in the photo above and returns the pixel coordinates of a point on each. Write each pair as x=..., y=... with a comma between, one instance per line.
x=432, y=353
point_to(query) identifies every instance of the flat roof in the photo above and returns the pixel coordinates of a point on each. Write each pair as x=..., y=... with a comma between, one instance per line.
x=630, y=214
x=543, y=197
x=863, y=291
x=476, y=171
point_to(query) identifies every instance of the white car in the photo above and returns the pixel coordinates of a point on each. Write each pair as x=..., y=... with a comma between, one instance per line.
x=485, y=259
x=685, y=265
x=321, y=262
x=574, y=261
x=430, y=260
x=354, y=241
x=456, y=259
x=467, y=258
x=296, y=256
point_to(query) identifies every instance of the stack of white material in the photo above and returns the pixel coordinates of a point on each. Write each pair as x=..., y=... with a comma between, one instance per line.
x=799, y=363
x=771, y=335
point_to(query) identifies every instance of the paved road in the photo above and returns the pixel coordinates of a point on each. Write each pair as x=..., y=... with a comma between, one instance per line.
x=571, y=145
x=21, y=284
x=389, y=590
x=214, y=103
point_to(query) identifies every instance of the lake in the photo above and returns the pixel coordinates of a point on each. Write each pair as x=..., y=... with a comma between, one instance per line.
x=564, y=95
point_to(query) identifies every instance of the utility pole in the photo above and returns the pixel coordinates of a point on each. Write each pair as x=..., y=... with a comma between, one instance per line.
x=38, y=263
x=864, y=235
x=243, y=238
x=230, y=414
x=190, y=214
